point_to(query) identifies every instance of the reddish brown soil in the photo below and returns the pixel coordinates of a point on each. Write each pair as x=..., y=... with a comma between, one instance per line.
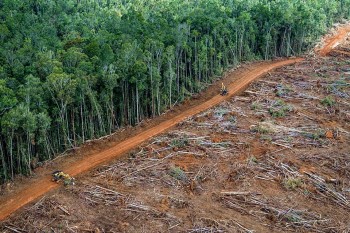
x=249, y=147
x=333, y=41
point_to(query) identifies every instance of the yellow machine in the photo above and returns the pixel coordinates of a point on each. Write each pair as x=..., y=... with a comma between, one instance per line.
x=223, y=90
x=61, y=176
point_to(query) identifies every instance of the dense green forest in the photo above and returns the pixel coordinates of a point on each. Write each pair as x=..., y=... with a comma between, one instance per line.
x=73, y=70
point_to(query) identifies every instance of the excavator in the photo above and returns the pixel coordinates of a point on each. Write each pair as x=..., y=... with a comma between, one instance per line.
x=223, y=90
x=58, y=176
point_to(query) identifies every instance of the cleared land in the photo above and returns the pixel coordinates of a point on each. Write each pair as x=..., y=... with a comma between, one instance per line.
x=273, y=159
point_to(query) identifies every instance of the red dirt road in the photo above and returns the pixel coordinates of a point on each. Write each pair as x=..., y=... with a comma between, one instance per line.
x=334, y=41
x=44, y=185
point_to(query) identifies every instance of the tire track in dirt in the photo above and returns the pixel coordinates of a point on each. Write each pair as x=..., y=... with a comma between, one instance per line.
x=35, y=190
x=45, y=184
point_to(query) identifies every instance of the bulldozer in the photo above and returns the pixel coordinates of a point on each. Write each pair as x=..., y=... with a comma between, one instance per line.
x=223, y=90
x=58, y=176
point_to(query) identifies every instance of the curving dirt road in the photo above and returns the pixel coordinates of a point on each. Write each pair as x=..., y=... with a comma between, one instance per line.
x=43, y=185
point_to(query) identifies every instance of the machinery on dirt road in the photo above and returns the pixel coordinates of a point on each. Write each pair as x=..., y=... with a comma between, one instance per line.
x=223, y=90
x=61, y=176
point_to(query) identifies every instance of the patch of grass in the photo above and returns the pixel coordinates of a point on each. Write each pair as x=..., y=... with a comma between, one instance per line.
x=314, y=135
x=276, y=113
x=292, y=183
x=178, y=173
x=328, y=101
x=266, y=138
x=279, y=109
x=279, y=103
x=261, y=129
x=179, y=143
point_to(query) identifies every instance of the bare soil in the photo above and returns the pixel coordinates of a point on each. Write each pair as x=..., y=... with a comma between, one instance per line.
x=274, y=159
x=333, y=40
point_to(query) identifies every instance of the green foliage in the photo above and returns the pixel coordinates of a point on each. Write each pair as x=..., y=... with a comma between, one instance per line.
x=7, y=98
x=179, y=143
x=178, y=173
x=292, y=183
x=71, y=70
x=328, y=101
x=316, y=135
x=279, y=109
x=261, y=129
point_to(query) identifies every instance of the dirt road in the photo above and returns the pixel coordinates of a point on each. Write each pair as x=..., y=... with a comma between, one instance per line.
x=38, y=188
x=333, y=41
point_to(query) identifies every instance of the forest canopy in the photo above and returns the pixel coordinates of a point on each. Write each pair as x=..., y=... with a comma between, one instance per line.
x=74, y=70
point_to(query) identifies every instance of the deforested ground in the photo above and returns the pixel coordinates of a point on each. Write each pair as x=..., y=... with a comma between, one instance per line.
x=274, y=159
